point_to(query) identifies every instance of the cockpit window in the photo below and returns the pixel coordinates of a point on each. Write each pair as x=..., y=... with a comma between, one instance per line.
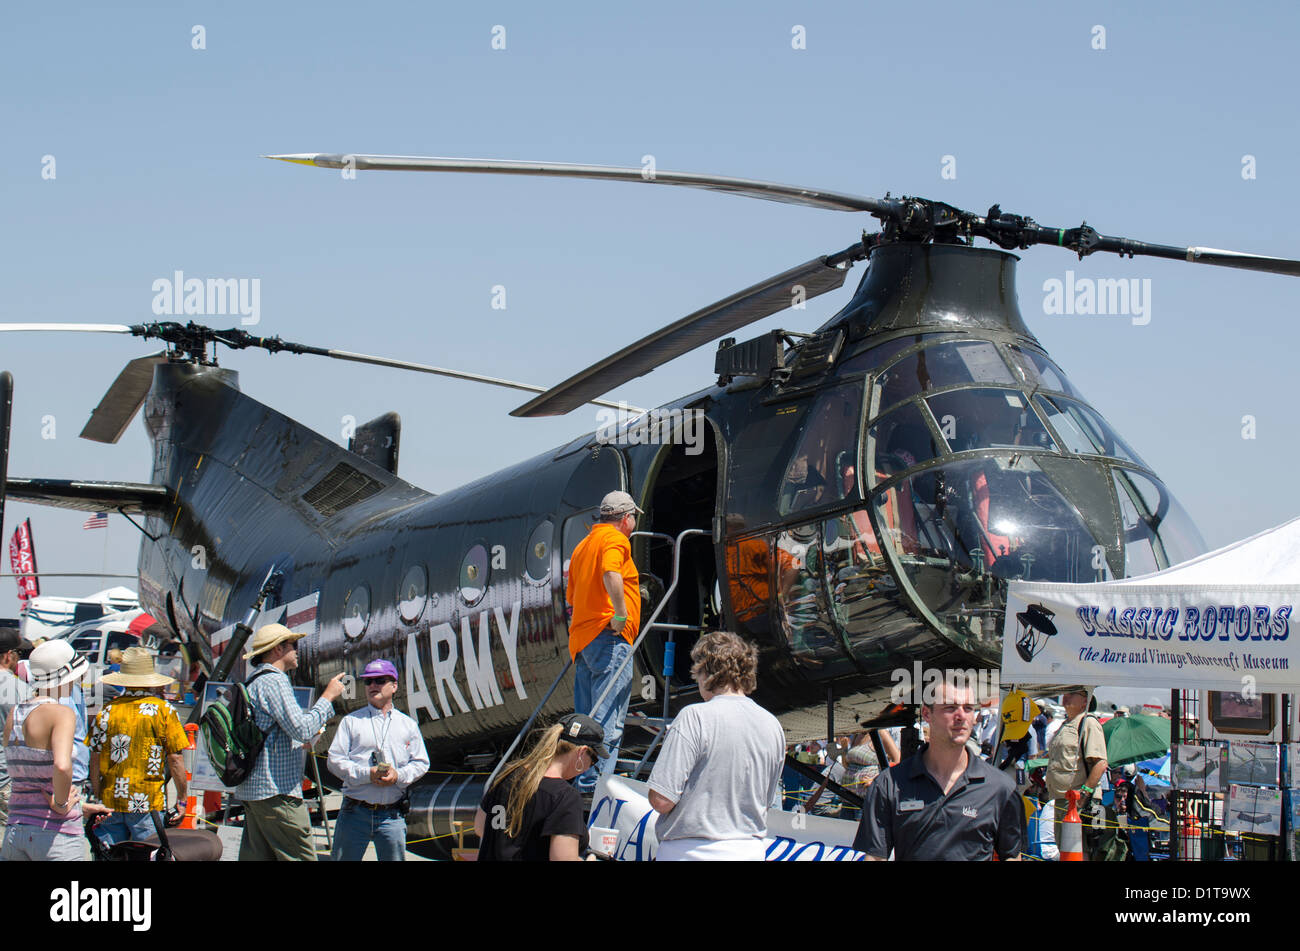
x=823, y=467
x=1040, y=372
x=1153, y=521
x=961, y=532
x=883, y=353
x=988, y=419
x=1083, y=430
x=944, y=364
x=898, y=441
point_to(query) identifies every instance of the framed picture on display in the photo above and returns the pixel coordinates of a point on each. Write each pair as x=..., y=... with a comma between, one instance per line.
x=1239, y=714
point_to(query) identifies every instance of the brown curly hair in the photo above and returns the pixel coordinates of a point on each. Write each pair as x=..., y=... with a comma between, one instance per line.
x=723, y=661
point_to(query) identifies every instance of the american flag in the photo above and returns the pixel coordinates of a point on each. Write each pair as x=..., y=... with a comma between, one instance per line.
x=98, y=520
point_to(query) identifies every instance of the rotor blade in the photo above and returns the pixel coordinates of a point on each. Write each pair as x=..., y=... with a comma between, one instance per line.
x=1084, y=240
x=439, y=371
x=71, y=328
x=1249, y=262
x=731, y=313
x=123, y=400
x=771, y=191
x=1214, y=256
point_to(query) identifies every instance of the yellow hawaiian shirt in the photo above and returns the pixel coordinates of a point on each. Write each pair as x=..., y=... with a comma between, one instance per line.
x=132, y=736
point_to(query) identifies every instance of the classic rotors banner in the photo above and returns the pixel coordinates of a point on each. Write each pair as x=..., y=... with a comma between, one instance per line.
x=1204, y=636
x=624, y=805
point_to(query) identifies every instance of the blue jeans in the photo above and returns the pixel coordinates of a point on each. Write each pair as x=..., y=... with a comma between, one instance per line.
x=1139, y=839
x=125, y=827
x=594, y=669
x=357, y=826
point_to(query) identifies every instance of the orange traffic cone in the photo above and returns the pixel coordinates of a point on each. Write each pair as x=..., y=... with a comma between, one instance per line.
x=191, y=803
x=1071, y=844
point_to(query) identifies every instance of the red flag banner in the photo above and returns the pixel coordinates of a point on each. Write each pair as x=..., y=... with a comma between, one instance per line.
x=22, y=560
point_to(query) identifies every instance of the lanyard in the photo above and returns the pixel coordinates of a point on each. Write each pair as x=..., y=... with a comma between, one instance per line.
x=381, y=740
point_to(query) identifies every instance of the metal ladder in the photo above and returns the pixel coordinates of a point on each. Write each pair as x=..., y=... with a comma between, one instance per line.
x=658, y=725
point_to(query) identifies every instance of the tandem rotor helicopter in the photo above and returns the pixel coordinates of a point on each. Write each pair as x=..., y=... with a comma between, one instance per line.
x=852, y=498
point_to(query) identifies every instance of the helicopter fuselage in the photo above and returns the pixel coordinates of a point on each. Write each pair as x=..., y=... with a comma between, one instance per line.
x=864, y=508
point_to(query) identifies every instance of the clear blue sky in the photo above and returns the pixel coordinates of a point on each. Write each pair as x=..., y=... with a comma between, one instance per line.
x=156, y=149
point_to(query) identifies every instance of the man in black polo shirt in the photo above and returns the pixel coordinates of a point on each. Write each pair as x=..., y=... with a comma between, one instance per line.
x=943, y=803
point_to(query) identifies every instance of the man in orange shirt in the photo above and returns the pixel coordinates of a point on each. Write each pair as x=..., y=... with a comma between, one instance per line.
x=604, y=595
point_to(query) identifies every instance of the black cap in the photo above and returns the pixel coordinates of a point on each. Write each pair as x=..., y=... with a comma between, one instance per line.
x=582, y=730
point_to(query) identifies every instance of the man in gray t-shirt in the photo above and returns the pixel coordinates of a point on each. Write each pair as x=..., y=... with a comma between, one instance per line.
x=720, y=768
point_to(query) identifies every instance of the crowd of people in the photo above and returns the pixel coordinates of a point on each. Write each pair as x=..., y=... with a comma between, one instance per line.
x=67, y=791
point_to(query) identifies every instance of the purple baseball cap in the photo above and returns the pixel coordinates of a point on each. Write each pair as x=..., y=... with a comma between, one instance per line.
x=379, y=668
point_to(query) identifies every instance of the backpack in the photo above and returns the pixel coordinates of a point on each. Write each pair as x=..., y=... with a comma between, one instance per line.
x=231, y=736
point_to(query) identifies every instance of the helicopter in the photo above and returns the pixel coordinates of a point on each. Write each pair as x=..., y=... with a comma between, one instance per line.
x=854, y=499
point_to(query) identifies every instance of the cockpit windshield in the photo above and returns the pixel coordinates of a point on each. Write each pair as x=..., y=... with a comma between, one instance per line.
x=1039, y=372
x=985, y=466
x=960, y=532
x=944, y=364
x=1083, y=429
x=988, y=419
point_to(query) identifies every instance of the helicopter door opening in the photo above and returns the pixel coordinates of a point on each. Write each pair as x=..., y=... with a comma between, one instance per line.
x=683, y=494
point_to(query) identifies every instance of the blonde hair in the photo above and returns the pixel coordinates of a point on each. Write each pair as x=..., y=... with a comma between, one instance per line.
x=528, y=772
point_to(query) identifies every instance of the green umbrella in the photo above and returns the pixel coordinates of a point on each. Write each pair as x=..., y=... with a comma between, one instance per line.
x=1134, y=738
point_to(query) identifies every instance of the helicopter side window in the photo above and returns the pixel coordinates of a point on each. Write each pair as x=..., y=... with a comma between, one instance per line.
x=899, y=440
x=823, y=467
x=1174, y=534
x=1139, y=540
x=983, y=419
x=412, y=594
x=944, y=364
x=1040, y=372
x=883, y=353
x=805, y=621
x=1083, y=430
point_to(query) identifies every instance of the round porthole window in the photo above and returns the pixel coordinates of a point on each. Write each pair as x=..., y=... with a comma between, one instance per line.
x=474, y=575
x=356, y=611
x=412, y=594
x=537, y=560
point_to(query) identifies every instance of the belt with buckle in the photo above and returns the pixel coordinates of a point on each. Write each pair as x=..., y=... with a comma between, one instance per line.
x=373, y=806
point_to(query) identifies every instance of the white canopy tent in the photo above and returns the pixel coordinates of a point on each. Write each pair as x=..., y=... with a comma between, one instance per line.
x=1208, y=623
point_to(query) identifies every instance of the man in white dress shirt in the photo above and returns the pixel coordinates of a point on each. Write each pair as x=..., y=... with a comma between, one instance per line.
x=377, y=752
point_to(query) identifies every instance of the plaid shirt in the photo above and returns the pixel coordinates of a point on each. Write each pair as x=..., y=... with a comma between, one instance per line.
x=278, y=771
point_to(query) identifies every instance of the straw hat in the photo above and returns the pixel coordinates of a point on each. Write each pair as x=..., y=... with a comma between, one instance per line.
x=267, y=637
x=53, y=664
x=137, y=671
